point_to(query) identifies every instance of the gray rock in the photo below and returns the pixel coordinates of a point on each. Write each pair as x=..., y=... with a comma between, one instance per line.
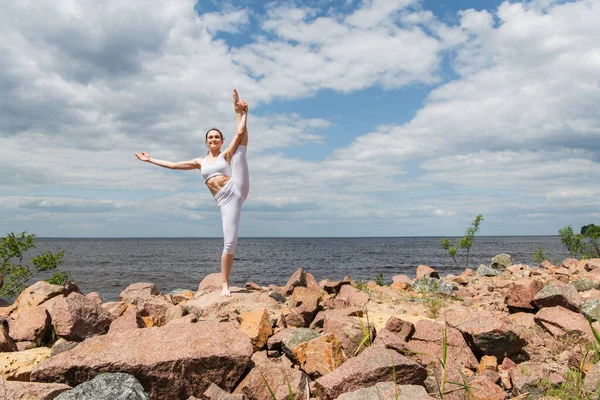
x=591, y=309
x=387, y=391
x=584, y=284
x=592, y=379
x=111, y=386
x=432, y=285
x=297, y=336
x=485, y=270
x=558, y=295
x=277, y=296
x=501, y=261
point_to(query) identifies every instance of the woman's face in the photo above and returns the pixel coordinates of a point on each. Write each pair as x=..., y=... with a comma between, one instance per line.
x=214, y=140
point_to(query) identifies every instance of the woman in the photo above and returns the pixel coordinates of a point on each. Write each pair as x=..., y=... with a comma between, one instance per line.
x=226, y=175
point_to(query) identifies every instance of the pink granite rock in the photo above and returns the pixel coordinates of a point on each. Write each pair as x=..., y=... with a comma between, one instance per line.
x=560, y=321
x=305, y=303
x=520, y=294
x=216, y=393
x=424, y=270
x=155, y=307
x=404, y=329
x=15, y=390
x=6, y=342
x=200, y=353
x=131, y=319
x=94, y=296
x=388, y=391
x=298, y=278
x=76, y=317
x=484, y=388
x=33, y=324
x=347, y=329
x=39, y=293
x=141, y=290
x=354, y=298
x=211, y=283
x=375, y=364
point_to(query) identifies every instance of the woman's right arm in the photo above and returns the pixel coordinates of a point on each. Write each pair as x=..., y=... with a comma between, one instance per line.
x=186, y=165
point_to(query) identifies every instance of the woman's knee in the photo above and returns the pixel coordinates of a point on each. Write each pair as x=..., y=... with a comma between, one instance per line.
x=229, y=246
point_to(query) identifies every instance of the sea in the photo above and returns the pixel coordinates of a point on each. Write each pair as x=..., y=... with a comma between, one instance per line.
x=109, y=265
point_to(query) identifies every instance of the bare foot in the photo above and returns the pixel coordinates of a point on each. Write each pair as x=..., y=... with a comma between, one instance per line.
x=225, y=292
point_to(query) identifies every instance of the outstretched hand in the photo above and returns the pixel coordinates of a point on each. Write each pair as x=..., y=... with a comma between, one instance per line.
x=142, y=156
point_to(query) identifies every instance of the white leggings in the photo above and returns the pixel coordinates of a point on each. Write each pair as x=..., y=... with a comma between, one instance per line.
x=231, y=197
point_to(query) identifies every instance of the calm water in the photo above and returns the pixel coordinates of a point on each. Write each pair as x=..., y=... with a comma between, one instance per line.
x=107, y=266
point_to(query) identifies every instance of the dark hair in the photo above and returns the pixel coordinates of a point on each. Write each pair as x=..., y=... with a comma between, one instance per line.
x=213, y=129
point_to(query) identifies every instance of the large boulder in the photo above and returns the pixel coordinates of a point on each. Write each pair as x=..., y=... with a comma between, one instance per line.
x=6, y=342
x=353, y=297
x=485, y=388
x=348, y=330
x=38, y=293
x=76, y=317
x=15, y=390
x=304, y=305
x=19, y=364
x=257, y=326
x=558, y=295
x=375, y=364
x=33, y=324
x=210, y=283
x=298, y=279
x=501, y=261
x=157, y=308
x=388, y=391
x=200, y=353
x=131, y=319
x=109, y=386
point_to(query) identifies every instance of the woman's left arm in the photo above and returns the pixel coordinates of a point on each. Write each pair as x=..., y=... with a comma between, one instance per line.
x=239, y=134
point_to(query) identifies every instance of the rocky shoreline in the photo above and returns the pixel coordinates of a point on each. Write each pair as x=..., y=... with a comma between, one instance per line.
x=503, y=331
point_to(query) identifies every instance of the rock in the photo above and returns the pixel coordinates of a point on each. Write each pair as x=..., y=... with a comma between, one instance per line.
x=211, y=283
x=175, y=312
x=94, y=296
x=186, y=319
x=131, y=319
x=136, y=291
x=486, y=333
x=33, y=324
x=179, y=295
x=15, y=390
x=484, y=270
x=427, y=342
x=484, y=388
x=62, y=345
x=426, y=271
x=354, y=298
x=348, y=330
x=374, y=365
x=585, y=284
x=487, y=363
x=591, y=309
x=108, y=386
x=19, y=364
x=432, y=285
x=404, y=329
x=592, y=379
x=274, y=342
x=520, y=294
x=333, y=287
x=277, y=375
x=76, y=317
x=156, y=307
x=560, y=321
x=346, y=312
x=402, y=286
x=39, y=293
x=526, y=376
x=201, y=353
x=501, y=262
x=319, y=356
x=212, y=305
x=257, y=326
x=252, y=286
x=298, y=279
x=558, y=295
x=26, y=345
x=388, y=391
x=116, y=308
x=216, y=393
x=295, y=337
x=514, y=269
x=275, y=295
x=465, y=277
x=304, y=305
x=6, y=342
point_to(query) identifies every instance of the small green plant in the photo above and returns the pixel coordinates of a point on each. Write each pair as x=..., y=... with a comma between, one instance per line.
x=379, y=279
x=361, y=285
x=367, y=339
x=586, y=243
x=539, y=255
x=434, y=304
x=15, y=273
x=571, y=389
x=464, y=243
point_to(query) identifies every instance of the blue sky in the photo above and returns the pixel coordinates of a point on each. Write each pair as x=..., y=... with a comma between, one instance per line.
x=368, y=118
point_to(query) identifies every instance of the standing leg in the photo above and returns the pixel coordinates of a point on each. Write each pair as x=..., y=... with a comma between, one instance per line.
x=230, y=216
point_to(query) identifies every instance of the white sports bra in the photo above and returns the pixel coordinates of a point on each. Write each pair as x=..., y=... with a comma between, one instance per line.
x=219, y=167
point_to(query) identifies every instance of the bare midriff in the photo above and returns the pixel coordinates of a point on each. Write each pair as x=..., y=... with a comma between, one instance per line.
x=216, y=183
